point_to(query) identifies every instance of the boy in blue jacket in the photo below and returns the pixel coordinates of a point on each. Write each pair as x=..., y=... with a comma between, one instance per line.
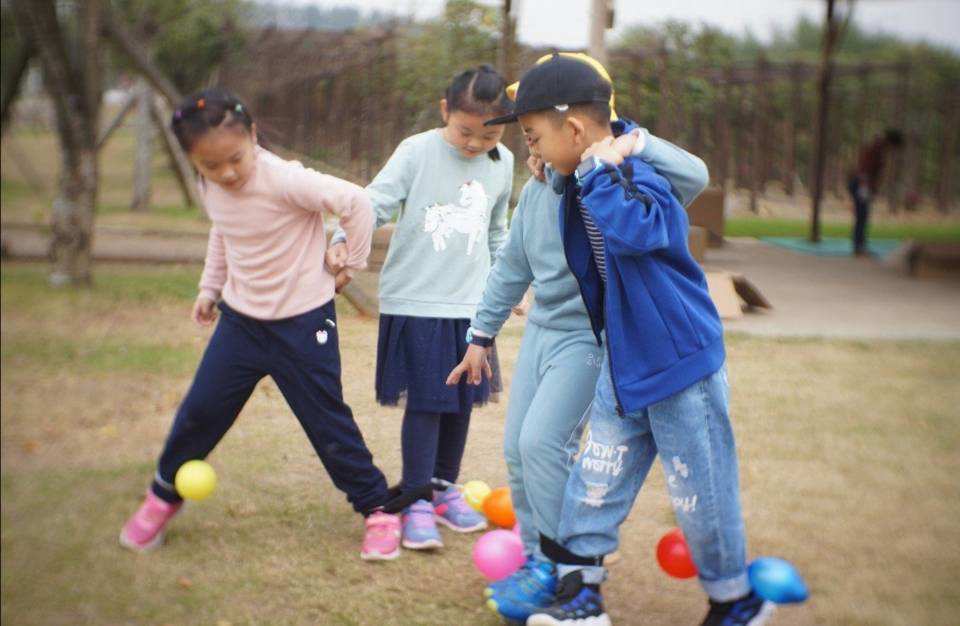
x=556, y=371
x=662, y=387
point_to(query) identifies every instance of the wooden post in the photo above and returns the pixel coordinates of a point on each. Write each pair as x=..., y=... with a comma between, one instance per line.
x=895, y=167
x=117, y=120
x=758, y=166
x=664, y=125
x=793, y=118
x=831, y=32
x=143, y=156
x=866, y=102
x=601, y=18
x=948, y=148
x=178, y=160
x=726, y=134
x=508, y=34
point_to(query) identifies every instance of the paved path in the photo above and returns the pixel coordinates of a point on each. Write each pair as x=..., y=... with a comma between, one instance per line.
x=838, y=297
x=811, y=296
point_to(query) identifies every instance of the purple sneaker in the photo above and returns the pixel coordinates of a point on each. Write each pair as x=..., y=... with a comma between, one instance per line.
x=451, y=510
x=419, y=530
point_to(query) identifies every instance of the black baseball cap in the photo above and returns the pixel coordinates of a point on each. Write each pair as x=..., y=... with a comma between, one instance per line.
x=559, y=81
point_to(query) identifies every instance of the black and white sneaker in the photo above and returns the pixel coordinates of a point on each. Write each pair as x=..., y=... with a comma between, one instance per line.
x=577, y=603
x=750, y=610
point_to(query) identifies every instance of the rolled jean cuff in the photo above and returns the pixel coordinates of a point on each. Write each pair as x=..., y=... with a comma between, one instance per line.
x=592, y=574
x=727, y=589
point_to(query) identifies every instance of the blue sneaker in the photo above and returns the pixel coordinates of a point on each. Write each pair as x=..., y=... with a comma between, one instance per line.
x=498, y=585
x=577, y=603
x=750, y=610
x=419, y=530
x=451, y=510
x=527, y=591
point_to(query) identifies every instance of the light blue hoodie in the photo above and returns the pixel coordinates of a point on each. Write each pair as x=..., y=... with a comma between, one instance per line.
x=533, y=253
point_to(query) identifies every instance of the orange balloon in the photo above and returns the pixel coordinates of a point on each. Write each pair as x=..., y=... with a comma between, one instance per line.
x=499, y=508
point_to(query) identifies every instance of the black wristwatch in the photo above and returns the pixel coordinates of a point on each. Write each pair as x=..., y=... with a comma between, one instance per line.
x=478, y=340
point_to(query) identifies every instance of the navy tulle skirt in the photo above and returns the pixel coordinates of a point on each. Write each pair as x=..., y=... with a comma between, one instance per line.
x=414, y=357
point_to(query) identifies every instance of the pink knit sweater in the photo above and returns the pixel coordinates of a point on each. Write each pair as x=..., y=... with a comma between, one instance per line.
x=265, y=255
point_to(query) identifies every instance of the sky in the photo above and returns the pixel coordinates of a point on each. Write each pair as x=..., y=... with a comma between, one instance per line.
x=563, y=23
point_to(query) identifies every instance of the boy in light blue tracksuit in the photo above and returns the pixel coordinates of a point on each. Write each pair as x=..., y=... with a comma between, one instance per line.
x=556, y=371
x=662, y=388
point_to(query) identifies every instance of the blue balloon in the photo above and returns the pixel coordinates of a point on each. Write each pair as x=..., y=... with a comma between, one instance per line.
x=777, y=580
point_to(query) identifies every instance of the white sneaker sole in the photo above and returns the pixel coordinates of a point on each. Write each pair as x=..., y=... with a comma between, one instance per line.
x=482, y=525
x=377, y=556
x=766, y=611
x=430, y=544
x=152, y=545
x=546, y=620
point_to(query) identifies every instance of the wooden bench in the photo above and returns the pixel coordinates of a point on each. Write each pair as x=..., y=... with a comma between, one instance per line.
x=934, y=260
x=708, y=211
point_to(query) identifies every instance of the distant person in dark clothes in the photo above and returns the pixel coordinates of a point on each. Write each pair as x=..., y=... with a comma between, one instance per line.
x=865, y=181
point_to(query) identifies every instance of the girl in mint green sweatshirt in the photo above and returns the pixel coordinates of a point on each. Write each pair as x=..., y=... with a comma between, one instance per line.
x=448, y=189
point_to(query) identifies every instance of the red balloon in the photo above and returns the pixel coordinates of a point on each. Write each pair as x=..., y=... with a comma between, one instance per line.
x=673, y=555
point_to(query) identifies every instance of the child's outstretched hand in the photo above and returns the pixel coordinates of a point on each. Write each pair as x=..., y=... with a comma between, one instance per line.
x=603, y=150
x=475, y=364
x=336, y=259
x=204, y=311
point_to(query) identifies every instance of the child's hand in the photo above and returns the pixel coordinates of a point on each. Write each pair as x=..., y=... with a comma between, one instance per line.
x=343, y=279
x=524, y=306
x=604, y=151
x=535, y=165
x=336, y=258
x=475, y=364
x=204, y=311
x=626, y=144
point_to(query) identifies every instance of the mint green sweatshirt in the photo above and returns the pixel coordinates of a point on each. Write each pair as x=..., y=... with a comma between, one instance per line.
x=533, y=253
x=452, y=220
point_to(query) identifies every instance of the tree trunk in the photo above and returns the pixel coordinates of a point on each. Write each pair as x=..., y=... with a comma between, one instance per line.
x=73, y=82
x=72, y=218
x=831, y=33
x=13, y=79
x=143, y=159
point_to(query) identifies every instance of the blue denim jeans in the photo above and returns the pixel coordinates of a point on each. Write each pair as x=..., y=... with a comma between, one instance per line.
x=691, y=433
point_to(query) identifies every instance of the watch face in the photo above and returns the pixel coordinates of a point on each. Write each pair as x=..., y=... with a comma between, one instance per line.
x=586, y=167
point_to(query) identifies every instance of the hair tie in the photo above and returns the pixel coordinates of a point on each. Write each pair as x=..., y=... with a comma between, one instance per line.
x=177, y=115
x=201, y=103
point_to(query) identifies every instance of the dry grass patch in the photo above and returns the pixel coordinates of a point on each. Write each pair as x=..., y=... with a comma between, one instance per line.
x=849, y=458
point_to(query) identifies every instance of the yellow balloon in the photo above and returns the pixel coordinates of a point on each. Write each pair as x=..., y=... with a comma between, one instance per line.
x=475, y=492
x=195, y=480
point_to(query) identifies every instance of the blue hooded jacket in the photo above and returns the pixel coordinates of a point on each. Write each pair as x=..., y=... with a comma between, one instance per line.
x=663, y=331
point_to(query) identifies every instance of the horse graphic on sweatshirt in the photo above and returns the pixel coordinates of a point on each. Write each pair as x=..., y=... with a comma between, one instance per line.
x=470, y=216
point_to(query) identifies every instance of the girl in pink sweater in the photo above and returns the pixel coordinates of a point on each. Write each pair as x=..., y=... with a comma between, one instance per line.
x=265, y=273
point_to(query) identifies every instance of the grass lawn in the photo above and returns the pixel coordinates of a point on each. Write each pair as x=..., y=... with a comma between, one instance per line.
x=747, y=226
x=849, y=464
